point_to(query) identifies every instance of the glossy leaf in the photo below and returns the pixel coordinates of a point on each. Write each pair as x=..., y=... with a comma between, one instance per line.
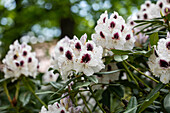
x=132, y=103
x=147, y=102
x=167, y=103
x=25, y=98
x=154, y=38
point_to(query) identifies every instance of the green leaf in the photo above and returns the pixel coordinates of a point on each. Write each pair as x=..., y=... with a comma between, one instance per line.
x=117, y=90
x=92, y=78
x=25, y=98
x=4, y=107
x=131, y=110
x=2, y=80
x=109, y=72
x=132, y=103
x=167, y=103
x=121, y=52
x=120, y=58
x=44, y=92
x=147, y=102
x=155, y=90
x=56, y=85
x=80, y=84
x=154, y=38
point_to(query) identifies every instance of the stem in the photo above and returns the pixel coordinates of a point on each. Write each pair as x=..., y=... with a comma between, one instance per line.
x=32, y=91
x=17, y=90
x=130, y=73
x=142, y=82
x=96, y=99
x=85, y=103
x=7, y=92
x=141, y=72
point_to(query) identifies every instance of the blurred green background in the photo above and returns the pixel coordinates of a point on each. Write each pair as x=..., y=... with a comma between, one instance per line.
x=55, y=18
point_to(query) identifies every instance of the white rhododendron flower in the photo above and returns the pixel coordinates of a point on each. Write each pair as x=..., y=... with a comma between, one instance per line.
x=55, y=108
x=49, y=76
x=65, y=106
x=77, y=55
x=20, y=61
x=159, y=61
x=150, y=10
x=113, y=32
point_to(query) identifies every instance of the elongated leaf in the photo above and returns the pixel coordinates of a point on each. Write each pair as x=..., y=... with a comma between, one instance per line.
x=154, y=38
x=130, y=110
x=56, y=85
x=81, y=84
x=1, y=80
x=118, y=90
x=25, y=98
x=155, y=90
x=4, y=107
x=132, y=103
x=147, y=102
x=121, y=52
x=92, y=78
x=109, y=72
x=44, y=92
x=167, y=103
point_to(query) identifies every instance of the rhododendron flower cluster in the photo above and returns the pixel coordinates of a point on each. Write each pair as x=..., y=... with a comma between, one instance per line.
x=77, y=55
x=55, y=108
x=20, y=61
x=65, y=106
x=113, y=32
x=150, y=10
x=159, y=61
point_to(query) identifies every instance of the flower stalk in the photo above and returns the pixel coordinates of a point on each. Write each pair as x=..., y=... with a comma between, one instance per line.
x=32, y=91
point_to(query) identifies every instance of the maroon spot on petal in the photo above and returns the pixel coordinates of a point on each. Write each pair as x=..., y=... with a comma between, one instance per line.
x=116, y=36
x=78, y=46
x=156, y=54
x=115, y=17
x=161, y=5
x=168, y=1
x=17, y=64
x=104, y=19
x=29, y=60
x=132, y=23
x=85, y=58
x=122, y=28
x=147, y=4
x=21, y=63
x=101, y=34
x=38, y=66
x=61, y=49
x=58, y=105
x=62, y=111
x=109, y=67
x=163, y=63
x=89, y=47
x=51, y=76
x=145, y=16
x=24, y=53
x=112, y=24
x=69, y=55
x=128, y=37
x=168, y=45
x=138, y=16
x=15, y=57
x=144, y=9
